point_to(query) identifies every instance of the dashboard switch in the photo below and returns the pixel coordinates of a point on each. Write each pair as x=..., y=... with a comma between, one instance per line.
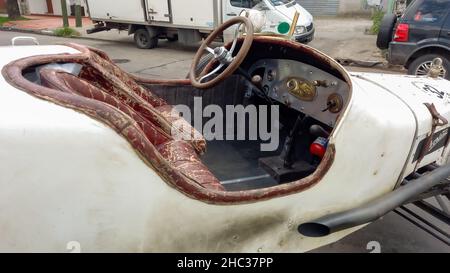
x=335, y=103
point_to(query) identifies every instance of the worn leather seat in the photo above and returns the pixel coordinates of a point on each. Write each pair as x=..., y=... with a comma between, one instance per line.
x=181, y=155
x=104, y=74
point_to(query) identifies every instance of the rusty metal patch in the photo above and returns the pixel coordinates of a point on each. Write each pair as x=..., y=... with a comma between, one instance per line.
x=433, y=141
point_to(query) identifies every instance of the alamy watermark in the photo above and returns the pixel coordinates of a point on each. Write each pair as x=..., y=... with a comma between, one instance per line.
x=235, y=122
x=374, y=247
x=73, y=247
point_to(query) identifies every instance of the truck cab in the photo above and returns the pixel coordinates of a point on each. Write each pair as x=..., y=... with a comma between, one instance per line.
x=275, y=12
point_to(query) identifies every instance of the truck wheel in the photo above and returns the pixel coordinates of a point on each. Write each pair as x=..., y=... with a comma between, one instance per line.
x=143, y=39
x=421, y=66
x=386, y=31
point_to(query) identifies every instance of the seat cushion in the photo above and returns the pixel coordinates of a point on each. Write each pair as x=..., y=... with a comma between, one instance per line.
x=183, y=158
x=104, y=74
x=181, y=129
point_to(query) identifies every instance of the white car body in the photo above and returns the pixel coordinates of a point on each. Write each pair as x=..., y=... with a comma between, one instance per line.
x=283, y=13
x=276, y=14
x=66, y=177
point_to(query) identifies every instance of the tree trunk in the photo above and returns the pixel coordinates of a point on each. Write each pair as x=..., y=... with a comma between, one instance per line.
x=13, y=9
x=65, y=16
x=78, y=20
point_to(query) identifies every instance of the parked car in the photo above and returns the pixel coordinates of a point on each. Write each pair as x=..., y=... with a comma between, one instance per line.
x=420, y=35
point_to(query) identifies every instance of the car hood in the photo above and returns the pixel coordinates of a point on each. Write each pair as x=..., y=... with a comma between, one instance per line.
x=305, y=18
x=418, y=94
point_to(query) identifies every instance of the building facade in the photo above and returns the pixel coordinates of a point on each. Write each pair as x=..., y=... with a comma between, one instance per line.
x=2, y=6
x=343, y=7
x=49, y=7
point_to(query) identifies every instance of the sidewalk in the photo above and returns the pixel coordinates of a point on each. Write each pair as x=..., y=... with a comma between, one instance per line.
x=345, y=38
x=40, y=23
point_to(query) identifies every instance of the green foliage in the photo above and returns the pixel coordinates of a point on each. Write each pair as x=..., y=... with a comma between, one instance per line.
x=6, y=19
x=3, y=20
x=66, y=32
x=377, y=17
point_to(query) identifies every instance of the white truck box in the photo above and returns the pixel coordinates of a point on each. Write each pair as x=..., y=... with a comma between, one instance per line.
x=195, y=13
x=131, y=11
x=191, y=20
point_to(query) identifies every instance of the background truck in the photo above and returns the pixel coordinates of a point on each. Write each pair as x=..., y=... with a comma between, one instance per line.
x=189, y=21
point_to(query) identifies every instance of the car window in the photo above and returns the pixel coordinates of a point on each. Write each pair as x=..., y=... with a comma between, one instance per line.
x=280, y=2
x=428, y=11
x=247, y=4
x=447, y=23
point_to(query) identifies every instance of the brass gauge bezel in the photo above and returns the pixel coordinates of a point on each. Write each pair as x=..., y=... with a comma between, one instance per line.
x=336, y=102
x=301, y=89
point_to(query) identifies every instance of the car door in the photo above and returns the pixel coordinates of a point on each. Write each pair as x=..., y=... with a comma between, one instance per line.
x=233, y=8
x=158, y=10
x=445, y=32
x=425, y=19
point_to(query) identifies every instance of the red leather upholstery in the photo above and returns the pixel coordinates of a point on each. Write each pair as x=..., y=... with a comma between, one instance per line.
x=181, y=155
x=69, y=83
x=104, y=74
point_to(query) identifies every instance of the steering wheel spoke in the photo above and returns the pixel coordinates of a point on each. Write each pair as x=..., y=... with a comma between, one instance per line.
x=210, y=50
x=233, y=46
x=236, y=36
x=214, y=71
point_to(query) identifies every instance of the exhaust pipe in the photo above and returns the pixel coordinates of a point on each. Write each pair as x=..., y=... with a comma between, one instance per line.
x=374, y=209
x=97, y=29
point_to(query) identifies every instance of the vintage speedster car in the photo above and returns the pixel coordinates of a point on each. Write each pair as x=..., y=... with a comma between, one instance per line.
x=93, y=155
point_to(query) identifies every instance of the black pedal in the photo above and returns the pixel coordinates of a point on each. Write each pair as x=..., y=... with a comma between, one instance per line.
x=275, y=167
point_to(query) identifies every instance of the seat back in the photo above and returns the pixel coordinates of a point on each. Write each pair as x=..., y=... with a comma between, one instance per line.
x=104, y=74
x=69, y=83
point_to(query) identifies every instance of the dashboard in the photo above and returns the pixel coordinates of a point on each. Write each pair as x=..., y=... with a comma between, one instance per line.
x=302, y=87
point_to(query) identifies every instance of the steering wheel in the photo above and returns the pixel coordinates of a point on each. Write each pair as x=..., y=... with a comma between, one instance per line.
x=220, y=54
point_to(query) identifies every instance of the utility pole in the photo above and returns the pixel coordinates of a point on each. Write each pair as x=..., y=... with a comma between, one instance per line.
x=13, y=10
x=78, y=21
x=64, y=13
x=391, y=6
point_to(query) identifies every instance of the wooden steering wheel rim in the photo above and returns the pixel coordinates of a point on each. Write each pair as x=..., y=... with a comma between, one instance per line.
x=238, y=59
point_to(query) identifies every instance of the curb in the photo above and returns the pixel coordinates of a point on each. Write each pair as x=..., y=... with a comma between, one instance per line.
x=24, y=30
x=47, y=33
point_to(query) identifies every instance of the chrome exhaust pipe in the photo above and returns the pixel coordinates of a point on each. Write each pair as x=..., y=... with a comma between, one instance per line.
x=374, y=209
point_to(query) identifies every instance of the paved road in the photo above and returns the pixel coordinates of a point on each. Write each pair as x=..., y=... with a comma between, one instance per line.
x=172, y=61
